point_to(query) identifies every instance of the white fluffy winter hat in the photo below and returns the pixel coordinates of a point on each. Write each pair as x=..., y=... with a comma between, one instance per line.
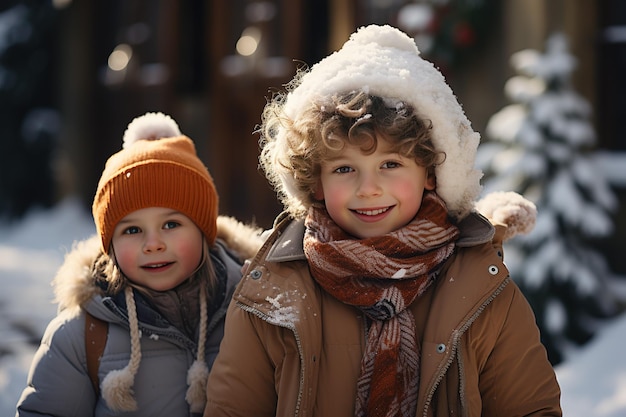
x=383, y=61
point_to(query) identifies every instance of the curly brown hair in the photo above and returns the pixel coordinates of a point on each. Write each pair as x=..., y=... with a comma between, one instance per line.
x=296, y=148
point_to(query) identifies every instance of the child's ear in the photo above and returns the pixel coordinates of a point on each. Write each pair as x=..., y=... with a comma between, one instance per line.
x=319, y=193
x=431, y=181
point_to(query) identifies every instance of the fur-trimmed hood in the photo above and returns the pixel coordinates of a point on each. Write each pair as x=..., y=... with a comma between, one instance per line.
x=74, y=284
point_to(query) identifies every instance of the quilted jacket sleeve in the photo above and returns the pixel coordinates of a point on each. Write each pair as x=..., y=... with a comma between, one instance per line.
x=517, y=379
x=58, y=384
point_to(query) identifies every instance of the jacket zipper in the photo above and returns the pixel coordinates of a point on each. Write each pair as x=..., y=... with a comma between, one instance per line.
x=266, y=318
x=455, y=344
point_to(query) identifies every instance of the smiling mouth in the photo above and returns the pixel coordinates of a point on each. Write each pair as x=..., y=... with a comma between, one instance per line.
x=157, y=266
x=374, y=212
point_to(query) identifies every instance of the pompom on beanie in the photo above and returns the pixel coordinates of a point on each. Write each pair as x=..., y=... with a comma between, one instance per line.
x=384, y=61
x=157, y=167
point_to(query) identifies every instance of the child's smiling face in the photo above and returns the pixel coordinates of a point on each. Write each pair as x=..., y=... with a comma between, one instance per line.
x=157, y=247
x=372, y=195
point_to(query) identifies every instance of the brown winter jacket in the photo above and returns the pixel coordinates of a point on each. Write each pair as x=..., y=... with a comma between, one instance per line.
x=291, y=349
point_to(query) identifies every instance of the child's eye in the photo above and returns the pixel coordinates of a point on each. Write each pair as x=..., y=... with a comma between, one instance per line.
x=391, y=164
x=171, y=225
x=343, y=170
x=131, y=230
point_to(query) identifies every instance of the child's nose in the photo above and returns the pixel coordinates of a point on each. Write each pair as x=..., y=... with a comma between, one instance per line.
x=153, y=243
x=369, y=186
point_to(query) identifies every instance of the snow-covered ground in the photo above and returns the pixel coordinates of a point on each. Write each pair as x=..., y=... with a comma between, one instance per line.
x=593, y=380
x=30, y=253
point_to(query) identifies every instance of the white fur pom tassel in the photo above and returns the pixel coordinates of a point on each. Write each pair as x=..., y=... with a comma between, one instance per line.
x=196, y=393
x=150, y=126
x=511, y=209
x=117, y=390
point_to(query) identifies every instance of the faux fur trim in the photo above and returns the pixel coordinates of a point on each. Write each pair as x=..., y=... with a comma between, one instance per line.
x=73, y=283
x=242, y=238
x=509, y=209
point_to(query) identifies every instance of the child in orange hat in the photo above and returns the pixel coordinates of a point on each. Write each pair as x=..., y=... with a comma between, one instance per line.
x=158, y=277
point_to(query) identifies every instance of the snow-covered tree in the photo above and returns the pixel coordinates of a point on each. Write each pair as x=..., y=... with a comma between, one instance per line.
x=542, y=146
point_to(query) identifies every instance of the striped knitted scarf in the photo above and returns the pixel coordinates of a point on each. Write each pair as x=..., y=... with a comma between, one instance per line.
x=382, y=276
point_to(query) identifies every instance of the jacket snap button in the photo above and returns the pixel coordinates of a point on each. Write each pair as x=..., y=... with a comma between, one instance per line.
x=441, y=348
x=255, y=274
x=493, y=270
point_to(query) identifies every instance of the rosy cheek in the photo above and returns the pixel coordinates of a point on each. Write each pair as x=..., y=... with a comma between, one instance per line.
x=193, y=253
x=334, y=198
x=191, y=248
x=408, y=188
x=124, y=257
x=409, y=195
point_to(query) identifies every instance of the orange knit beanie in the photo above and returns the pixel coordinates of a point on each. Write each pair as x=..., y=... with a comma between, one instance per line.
x=157, y=167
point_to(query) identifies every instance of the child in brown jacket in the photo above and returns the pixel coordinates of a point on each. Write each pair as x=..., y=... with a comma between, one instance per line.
x=381, y=291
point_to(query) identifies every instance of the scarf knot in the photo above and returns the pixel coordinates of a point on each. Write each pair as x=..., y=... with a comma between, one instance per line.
x=382, y=276
x=382, y=310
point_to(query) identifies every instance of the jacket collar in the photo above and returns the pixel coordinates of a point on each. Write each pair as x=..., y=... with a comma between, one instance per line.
x=475, y=230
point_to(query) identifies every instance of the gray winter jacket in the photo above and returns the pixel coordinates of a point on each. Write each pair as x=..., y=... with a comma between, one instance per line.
x=58, y=382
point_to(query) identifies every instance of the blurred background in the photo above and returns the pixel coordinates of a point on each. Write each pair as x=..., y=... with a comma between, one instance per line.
x=74, y=73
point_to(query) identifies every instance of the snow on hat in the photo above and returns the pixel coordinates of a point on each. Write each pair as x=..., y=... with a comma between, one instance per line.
x=383, y=61
x=157, y=167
